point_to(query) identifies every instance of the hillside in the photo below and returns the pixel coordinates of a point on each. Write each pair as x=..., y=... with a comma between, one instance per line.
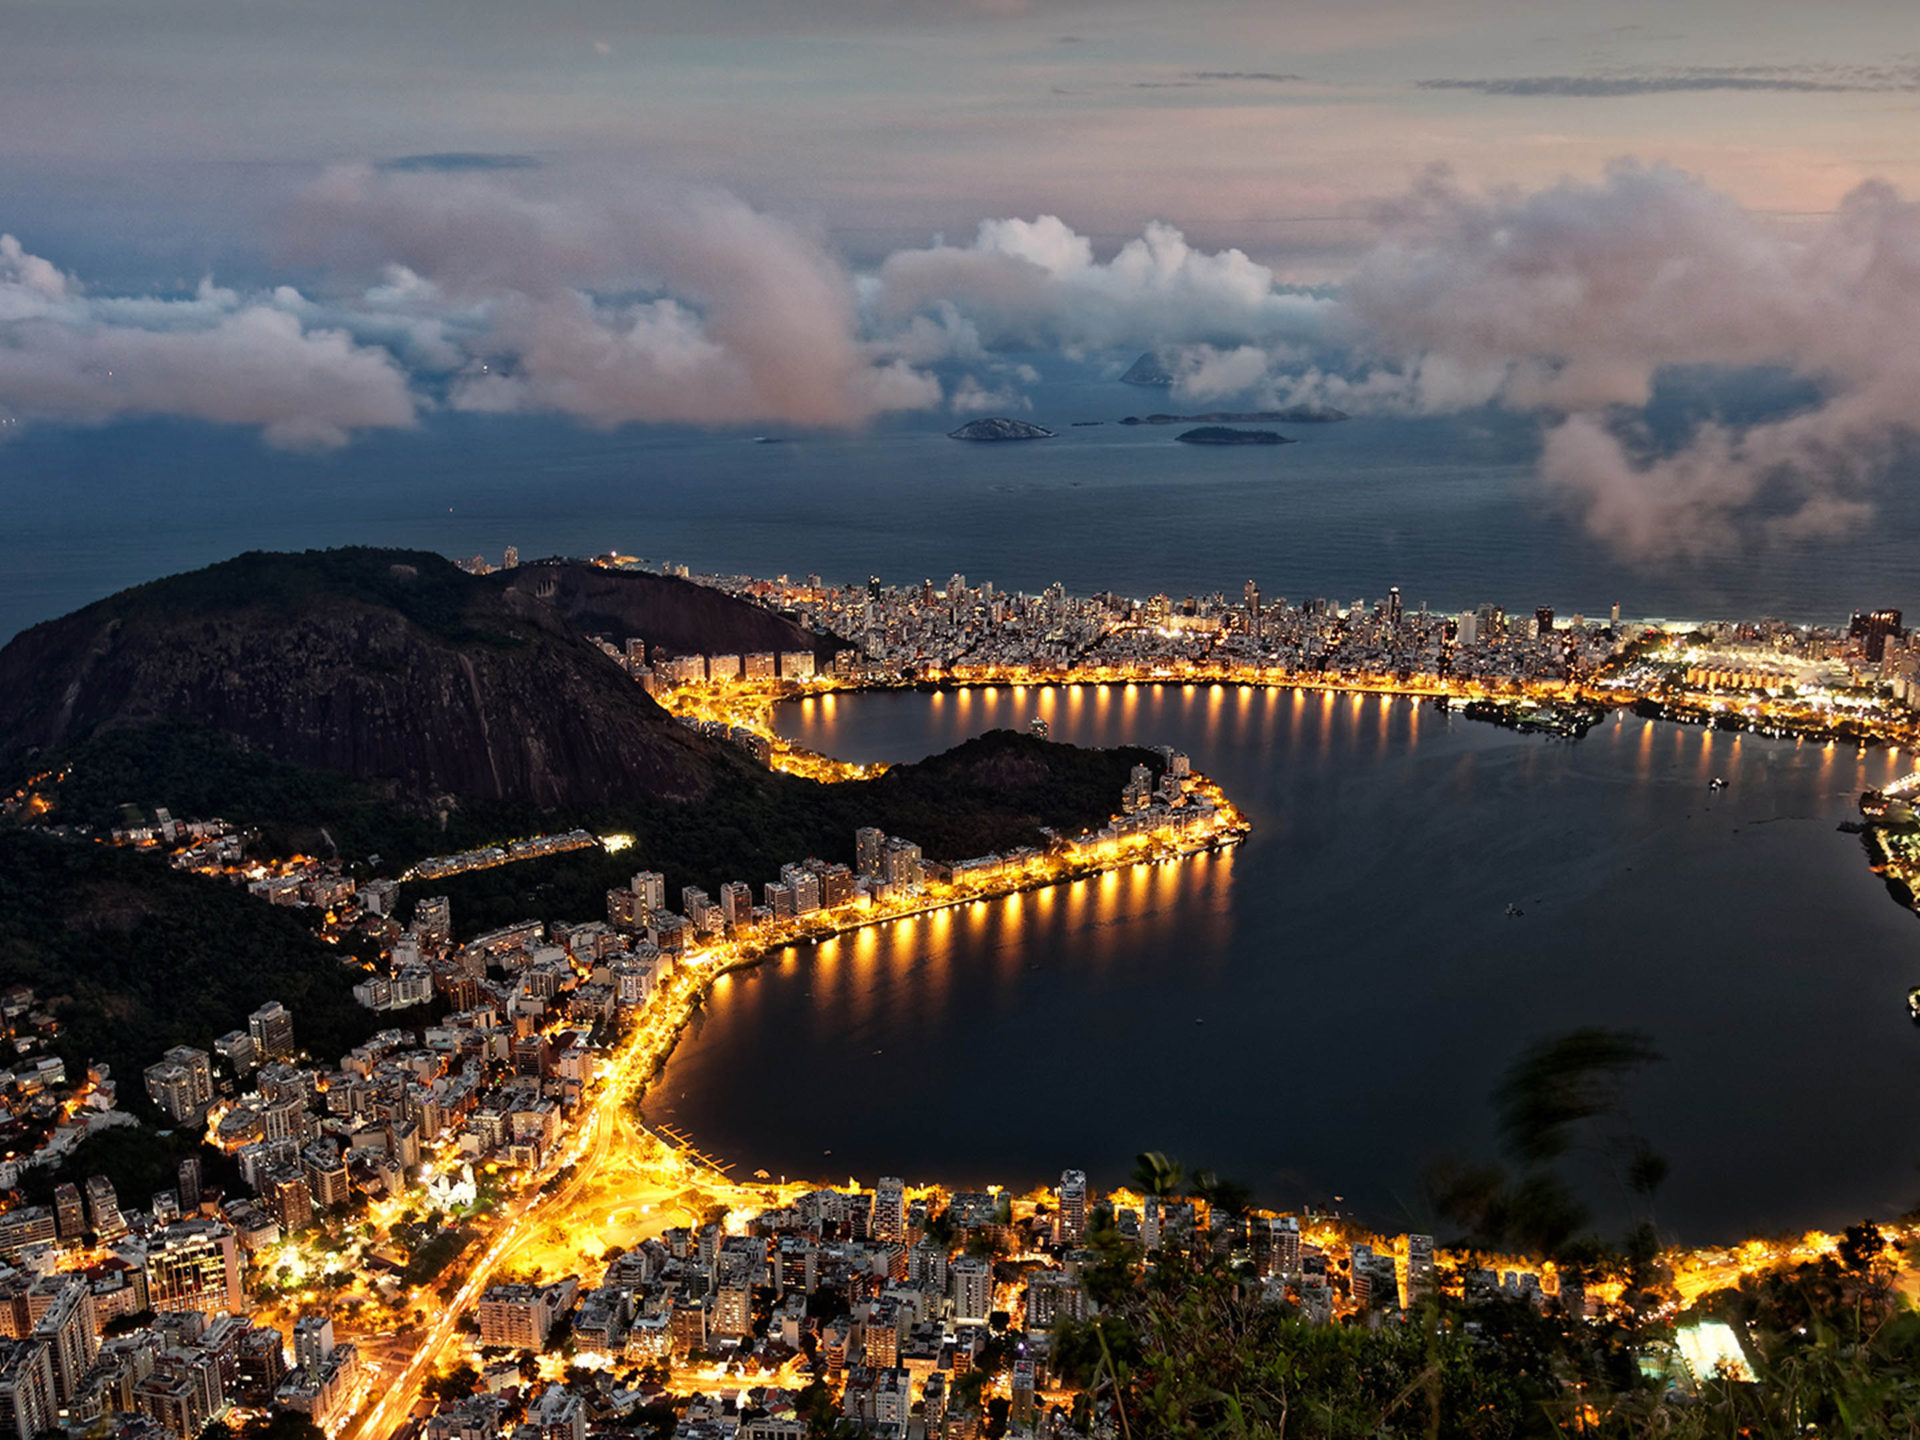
x=994, y=792
x=389, y=666
x=134, y=956
x=671, y=614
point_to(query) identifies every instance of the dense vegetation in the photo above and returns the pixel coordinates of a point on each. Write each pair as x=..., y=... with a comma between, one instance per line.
x=994, y=792
x=1189, y=1349
x=134, y=957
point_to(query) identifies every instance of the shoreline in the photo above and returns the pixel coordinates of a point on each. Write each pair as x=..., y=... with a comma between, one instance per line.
x=1089, y=867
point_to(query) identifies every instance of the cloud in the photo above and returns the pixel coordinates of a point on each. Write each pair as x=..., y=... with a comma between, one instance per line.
x=642, y=303
x=1801, y=80
x=65, y=356
x=458, y=162
x=1274, y=77
x=970, y=397
x=1037, y=284
x=1572, y=300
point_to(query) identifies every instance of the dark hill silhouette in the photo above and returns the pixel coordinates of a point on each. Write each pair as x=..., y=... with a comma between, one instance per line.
x=385, y=665
x=672, y=614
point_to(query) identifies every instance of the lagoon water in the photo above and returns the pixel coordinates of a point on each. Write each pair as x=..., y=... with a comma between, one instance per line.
x=1324, y=1010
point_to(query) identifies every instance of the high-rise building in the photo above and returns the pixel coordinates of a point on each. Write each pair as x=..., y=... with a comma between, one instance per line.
x=69, y=1214
x=510, y=559
x=312, y=1340
x=1252, y=597
x=971, y=1278
x=805, y=886
x=1544, y=618
x=181, y=1084
x=1283, y=1246
x=869, y=852
x=65, y=1324
x=1393, y=605
x=1070, y=1223
x=189, y=1184
x=736, y=904
x=889, y=1209
x=1873, y=629
x=272, y=1030
x=433, y=920
x=1420, y=1271
x=651, y=887
x=103, y=1209
x=194, y=1265
x=900, y=865
x=732, y=1311
x=27, y=1405
x=1360, y=1275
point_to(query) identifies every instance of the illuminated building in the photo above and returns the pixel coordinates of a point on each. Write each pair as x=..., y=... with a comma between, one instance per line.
x=1282, y=1252
x=650, y=886
x=181, y=1084
x=70, y=1216
x=736, y=905
x=27, y=1405
x=271, y=1029
x=1420, y=1271
x=1873, y=629
x=64, y=1323
x=889, y=1209
x=869, y=850
x=971, y=1280
x=1071, y=1221
x=103, y=1209
x=433, y=920
x=194, y=1265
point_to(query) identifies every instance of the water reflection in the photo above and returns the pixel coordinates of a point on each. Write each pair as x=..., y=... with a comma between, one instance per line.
x=1323, y=1008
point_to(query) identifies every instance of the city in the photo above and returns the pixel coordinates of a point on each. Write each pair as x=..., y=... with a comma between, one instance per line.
x=460, y=1228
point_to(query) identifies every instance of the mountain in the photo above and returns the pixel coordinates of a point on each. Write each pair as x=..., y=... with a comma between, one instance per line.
x=674, y=615
x=384, y=665
x=1147, y=370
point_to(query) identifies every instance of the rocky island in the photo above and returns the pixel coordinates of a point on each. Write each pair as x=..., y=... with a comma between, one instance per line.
x=1000, y=428
x=1221, y=435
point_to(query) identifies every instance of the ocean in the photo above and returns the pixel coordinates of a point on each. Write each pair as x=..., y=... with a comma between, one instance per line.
x=1448, y=509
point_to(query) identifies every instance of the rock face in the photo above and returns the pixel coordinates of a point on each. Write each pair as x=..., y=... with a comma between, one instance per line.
x=1000, y=428
x=1220, y=435
x=386, y=665
x=1148, y=370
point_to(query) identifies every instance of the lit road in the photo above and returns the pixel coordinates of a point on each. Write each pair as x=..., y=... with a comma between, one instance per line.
x=515, y=1225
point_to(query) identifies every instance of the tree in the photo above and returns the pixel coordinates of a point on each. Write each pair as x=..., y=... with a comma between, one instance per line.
x=1154, y=1174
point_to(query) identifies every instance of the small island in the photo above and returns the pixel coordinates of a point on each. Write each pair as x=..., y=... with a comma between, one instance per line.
x=1000, y=428
x=1221, y=435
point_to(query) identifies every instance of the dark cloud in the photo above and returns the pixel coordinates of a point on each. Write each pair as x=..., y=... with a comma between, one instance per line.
x=1801, y=80
x=1274, y=77
x=454, y=162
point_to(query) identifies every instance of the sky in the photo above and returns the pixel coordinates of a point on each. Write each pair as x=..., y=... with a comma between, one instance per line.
x=320, y=218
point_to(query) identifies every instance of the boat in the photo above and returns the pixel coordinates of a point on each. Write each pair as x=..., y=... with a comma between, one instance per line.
x=1913, y=1004
x=1037, y=726
x=1718, y=783
x=1514, y=912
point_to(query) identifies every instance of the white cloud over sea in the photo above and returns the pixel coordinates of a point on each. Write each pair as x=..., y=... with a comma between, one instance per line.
x=486, y=289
